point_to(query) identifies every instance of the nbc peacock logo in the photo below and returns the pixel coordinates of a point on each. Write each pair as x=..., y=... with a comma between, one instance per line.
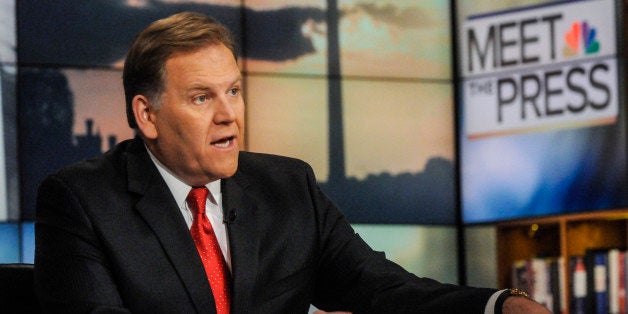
x=581, y=35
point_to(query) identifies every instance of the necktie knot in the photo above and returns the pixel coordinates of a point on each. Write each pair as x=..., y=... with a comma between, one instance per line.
x=196, y=199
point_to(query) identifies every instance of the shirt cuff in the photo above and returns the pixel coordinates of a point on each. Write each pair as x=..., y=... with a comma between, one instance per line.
x=492, y=302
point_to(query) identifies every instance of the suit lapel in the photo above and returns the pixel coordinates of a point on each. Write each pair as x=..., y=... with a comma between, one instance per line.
x=161, y=213
x=243, y=241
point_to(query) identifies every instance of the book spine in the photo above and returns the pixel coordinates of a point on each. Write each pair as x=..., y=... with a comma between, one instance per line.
x=622, y=282
x=579, y=285
x=613, y=281
x=600, y=267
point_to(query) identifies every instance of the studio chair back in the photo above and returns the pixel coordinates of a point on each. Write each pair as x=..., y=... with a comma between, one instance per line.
x=17, y=294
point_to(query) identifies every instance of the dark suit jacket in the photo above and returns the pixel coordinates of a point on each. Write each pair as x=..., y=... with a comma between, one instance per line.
x=110, y=237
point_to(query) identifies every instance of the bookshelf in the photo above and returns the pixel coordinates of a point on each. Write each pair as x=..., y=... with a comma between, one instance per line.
x=558, y=236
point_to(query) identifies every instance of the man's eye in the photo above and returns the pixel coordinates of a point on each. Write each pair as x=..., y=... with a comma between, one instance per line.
x=234, y=91
x=200, y=99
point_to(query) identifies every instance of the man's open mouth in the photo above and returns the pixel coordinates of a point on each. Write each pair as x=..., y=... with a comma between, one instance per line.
x=223, y=142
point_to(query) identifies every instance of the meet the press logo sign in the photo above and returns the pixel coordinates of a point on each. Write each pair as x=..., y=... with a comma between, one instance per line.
x=540, y=68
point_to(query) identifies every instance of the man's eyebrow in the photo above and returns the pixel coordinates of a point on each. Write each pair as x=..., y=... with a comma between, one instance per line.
x=198, y=87
x=237, y=80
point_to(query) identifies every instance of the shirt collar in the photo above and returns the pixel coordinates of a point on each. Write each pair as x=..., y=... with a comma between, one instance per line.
x=178, y=188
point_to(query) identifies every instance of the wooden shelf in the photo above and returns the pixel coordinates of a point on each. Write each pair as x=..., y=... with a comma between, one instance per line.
x=558, y=236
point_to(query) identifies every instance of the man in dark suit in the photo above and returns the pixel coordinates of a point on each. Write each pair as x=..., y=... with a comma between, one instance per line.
x=120, y=233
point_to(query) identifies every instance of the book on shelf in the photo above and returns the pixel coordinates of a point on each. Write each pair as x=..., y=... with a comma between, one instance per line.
x=613, y=281
x=607, y=278
x=597, y=281
x=541, y=278
x=578, y=280
x=596, y=261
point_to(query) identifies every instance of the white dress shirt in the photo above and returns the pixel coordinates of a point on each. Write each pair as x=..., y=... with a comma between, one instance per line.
x=213, y=208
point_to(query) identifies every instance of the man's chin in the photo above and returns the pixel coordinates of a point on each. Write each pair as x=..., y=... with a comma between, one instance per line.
x=227, y=170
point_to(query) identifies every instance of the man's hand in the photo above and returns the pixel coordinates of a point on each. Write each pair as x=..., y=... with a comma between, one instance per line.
x=516, y=305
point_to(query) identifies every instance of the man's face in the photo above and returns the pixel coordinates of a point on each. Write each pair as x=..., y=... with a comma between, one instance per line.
x=200, y=125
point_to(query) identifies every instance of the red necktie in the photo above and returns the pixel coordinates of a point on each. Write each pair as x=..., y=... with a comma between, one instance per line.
x=209, y=250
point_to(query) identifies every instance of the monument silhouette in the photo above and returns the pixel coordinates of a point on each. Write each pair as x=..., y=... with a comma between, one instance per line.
x=427, y=197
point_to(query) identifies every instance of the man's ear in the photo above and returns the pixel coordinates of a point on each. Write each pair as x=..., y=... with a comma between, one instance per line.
x=145, y=117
